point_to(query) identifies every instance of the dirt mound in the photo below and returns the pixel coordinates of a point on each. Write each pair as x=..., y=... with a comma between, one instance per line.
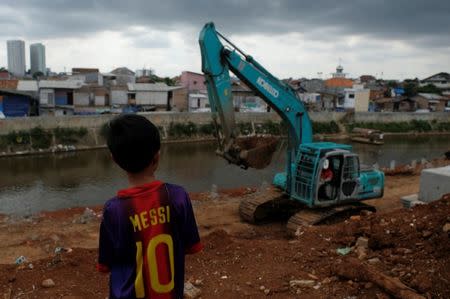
x=412, y=247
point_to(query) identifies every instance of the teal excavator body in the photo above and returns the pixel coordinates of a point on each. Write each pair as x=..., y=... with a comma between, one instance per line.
x=301, y=180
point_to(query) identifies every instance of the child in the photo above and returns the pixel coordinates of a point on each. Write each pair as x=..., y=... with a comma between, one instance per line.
x=147, y=228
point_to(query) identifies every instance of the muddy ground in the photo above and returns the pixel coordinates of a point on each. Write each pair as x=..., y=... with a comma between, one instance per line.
x=242, y=260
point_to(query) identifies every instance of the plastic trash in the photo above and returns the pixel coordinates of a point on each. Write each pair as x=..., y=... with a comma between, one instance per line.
x=20, y=260
x=343, y=250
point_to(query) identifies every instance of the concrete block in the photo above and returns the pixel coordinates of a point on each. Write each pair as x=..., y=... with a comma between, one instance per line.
x=434, y=183
x=410, y=201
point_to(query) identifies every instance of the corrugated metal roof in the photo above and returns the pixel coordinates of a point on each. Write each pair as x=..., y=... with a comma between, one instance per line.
x=69, y=84
x=151, y=87
x=430, y=96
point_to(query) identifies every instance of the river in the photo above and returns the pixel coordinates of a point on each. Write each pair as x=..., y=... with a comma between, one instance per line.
x=29, y=184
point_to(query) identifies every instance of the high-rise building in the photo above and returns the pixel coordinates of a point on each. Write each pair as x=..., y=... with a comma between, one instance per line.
x=37, y=58
x=16, y=57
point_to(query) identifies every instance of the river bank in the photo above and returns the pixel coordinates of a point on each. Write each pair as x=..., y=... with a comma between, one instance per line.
x=242, y=260
x=37, y=135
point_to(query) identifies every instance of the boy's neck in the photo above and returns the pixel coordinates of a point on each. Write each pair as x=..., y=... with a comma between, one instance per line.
x=135, y=180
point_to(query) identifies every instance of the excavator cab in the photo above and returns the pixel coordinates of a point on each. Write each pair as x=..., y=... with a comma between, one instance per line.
x=338, y=182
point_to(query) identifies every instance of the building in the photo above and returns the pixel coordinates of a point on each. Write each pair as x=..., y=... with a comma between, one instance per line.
x=151, y=96
x=56, y=97
x=339, y=72
x=431, y=102
x=4, y=74
x=15, y=103
x=122, y=76
x=355, y=98
x=37, y=59
x=193, y=82
x=16, y=57
x=245, y=99
x=440, y=80
x=87, y=75
x=198, y=102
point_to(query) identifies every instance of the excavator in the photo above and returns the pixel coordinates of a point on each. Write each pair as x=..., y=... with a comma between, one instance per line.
x=321, y=181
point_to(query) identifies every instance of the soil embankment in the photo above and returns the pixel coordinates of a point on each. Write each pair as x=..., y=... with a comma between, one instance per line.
x=246, y=261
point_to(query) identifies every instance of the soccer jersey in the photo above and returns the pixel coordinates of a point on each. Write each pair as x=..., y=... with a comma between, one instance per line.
x=144, y=235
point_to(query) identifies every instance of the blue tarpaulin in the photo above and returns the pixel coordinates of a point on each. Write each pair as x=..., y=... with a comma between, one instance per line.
x=16, y=105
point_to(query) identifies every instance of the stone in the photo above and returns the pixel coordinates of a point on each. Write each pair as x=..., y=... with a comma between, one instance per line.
x=446, y=228
x=355, y=218
x=368, y=285
x=301, y=283
x=190, y=291
x=48, y=283
x=426, y=234
x=262, y=288
x=362, y=242
x=410, y=201
x=198, y=282
x=267, y=291
x=374, y=260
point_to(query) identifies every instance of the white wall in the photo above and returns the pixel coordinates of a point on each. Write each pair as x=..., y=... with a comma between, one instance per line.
x=151, y=97
x=119, y=97
x=47, y=97
x=81, y=99
x=100, y=101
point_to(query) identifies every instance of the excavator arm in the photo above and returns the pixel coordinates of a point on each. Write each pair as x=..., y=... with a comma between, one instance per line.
x=217, y=61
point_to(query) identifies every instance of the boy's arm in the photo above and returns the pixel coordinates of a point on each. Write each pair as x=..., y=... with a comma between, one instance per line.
x=189, y=230
x=105, y=246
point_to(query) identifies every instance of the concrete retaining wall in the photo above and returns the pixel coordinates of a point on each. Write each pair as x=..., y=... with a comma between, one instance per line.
x=165, y=118
x=386, y=117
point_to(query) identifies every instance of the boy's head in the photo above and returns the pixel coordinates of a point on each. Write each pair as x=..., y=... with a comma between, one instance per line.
x=133, y=141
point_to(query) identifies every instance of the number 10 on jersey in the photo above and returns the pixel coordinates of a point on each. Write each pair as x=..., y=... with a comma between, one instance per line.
x=152, y=261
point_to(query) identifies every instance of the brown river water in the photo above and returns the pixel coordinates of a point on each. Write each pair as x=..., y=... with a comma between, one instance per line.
x=29, y=184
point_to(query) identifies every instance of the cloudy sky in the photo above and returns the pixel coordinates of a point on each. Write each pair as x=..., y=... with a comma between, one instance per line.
x=292, y=38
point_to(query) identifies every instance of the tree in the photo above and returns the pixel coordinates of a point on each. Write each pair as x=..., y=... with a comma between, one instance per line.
x=37, y=75
x=410, y=88
x=429, y=88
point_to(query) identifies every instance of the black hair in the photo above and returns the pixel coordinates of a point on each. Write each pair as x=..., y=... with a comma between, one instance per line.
x=133, y=142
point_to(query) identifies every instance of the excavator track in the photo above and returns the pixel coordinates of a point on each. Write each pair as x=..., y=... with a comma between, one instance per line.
x=307, y=217
x=263, y=205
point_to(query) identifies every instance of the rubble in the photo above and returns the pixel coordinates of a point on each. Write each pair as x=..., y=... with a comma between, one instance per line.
x=48, y=283
x=190, y=291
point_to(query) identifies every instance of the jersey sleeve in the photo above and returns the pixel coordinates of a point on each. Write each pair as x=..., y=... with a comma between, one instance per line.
x=106, y=246
x=190, y=233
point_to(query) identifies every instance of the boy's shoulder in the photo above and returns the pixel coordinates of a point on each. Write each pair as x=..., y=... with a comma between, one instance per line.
x=176, y=189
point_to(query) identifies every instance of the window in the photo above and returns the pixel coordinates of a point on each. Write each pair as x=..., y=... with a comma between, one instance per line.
x=351, y=95
x=51, y=98
x=195, y=82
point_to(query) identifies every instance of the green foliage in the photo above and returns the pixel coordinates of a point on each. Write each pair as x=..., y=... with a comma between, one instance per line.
x=69, y=135
x=245, y=128
x=443, y=126
x=410, y=89
x=182, y=130
x=325, y=127
x=18, y=138
x=207, y=129
x=268, y=127
x=40, y=138
x=429, y=88
x=3, y=142
x=104, y=130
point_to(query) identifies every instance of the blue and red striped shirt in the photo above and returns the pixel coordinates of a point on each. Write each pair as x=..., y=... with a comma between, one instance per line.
x=144, y=234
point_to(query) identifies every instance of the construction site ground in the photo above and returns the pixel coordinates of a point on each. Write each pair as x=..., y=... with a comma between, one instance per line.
x=247, y=261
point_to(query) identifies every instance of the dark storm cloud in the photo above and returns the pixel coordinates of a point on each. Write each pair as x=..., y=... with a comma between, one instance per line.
x=424, y=23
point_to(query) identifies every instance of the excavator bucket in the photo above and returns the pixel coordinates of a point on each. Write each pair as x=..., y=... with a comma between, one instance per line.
x=256, y=151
